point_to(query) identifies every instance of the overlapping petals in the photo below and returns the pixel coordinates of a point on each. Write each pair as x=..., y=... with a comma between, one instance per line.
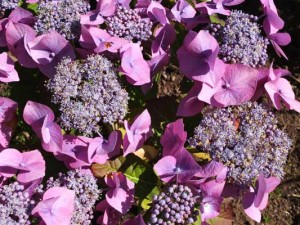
x=56, y=206
x=28, y=166
x=40, y=118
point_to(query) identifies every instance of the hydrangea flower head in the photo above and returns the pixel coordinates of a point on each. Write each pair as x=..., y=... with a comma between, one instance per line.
x=241, y=40
x=15, y=205
x=8, y=5
x=126, y=23
x=176, y=205
x=88, y=92
x=62, y=16
x=244, y=138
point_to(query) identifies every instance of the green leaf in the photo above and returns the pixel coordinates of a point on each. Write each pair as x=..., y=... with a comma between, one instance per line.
x=33, y=7
x=101, y=170
x=142, y=174
x=215, y=19
x=198, y=221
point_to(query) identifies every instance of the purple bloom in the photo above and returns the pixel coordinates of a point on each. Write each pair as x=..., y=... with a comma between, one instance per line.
x=120, y=195
x=40, y=118
x=210, y=207
x=110, y=216
x=74, y=151
x=56, y=207
x=217, y=6
x=100, y=150
x=7, y=70
x=256, y=199
x=237, y=86
x=104, y=8
x=183, y=10
x=173, y=138
x=137, y=133
x=190, y=105
x=29, y=165
x=181, y=167
x=157, y=13
x=198, y=54
x=134, y=66
x=48, y=50
x=8, y=120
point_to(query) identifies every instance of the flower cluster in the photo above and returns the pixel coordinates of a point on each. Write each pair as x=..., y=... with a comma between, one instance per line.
x=15, y=205
x=8, y=4
x=176, y=205
x=246, y=139
x=127, y=23
x=241, y=40
x=86, y=193
x=62, y=16
x=88, y=92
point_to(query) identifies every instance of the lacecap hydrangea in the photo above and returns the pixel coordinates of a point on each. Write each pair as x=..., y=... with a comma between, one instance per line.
x=244, y=138
x=8, y=5
x=175, y=205
x=241, y=40
x=15, y=205
x=88, y=92
x=62, y=16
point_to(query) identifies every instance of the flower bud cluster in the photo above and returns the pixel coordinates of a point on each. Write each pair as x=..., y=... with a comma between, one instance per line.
x=246, y=139
x=8, y=5
x=88, y=91
x=15, y=205
x=241, y=40
x=176, y=205
x=126, y=23
x=86, y=194
x=62, y=16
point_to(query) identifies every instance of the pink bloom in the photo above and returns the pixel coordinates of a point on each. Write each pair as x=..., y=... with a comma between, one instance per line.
x=198, y=54
x=8, y=120
x=56, y=207
x=40, y=118
x=29, y=165
x=257, y=199
x=7, y=69
x=137, y=133
x=183, y=10
x=210, y=207
x=110, y=216
x=74, y=151
x=217, y=6
x=100, y=150
x=236, y=87
x=279, y=89
x=180, y=167
x=17, y=37
x=272, y=22
x=134, y=66
x=104, y=8
x=48, y=50
x=190, y=105
x=173, y=138
x=121, y=193
x=157, y=12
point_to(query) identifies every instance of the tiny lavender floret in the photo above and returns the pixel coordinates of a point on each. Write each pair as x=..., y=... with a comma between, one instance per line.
x=62, y=16
x=126, y=23
x=176, y=205
x=246, y=139
x=8, y=5
x=86, y=194
x=241, y=40
x=15, y=205
x=88, y=92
